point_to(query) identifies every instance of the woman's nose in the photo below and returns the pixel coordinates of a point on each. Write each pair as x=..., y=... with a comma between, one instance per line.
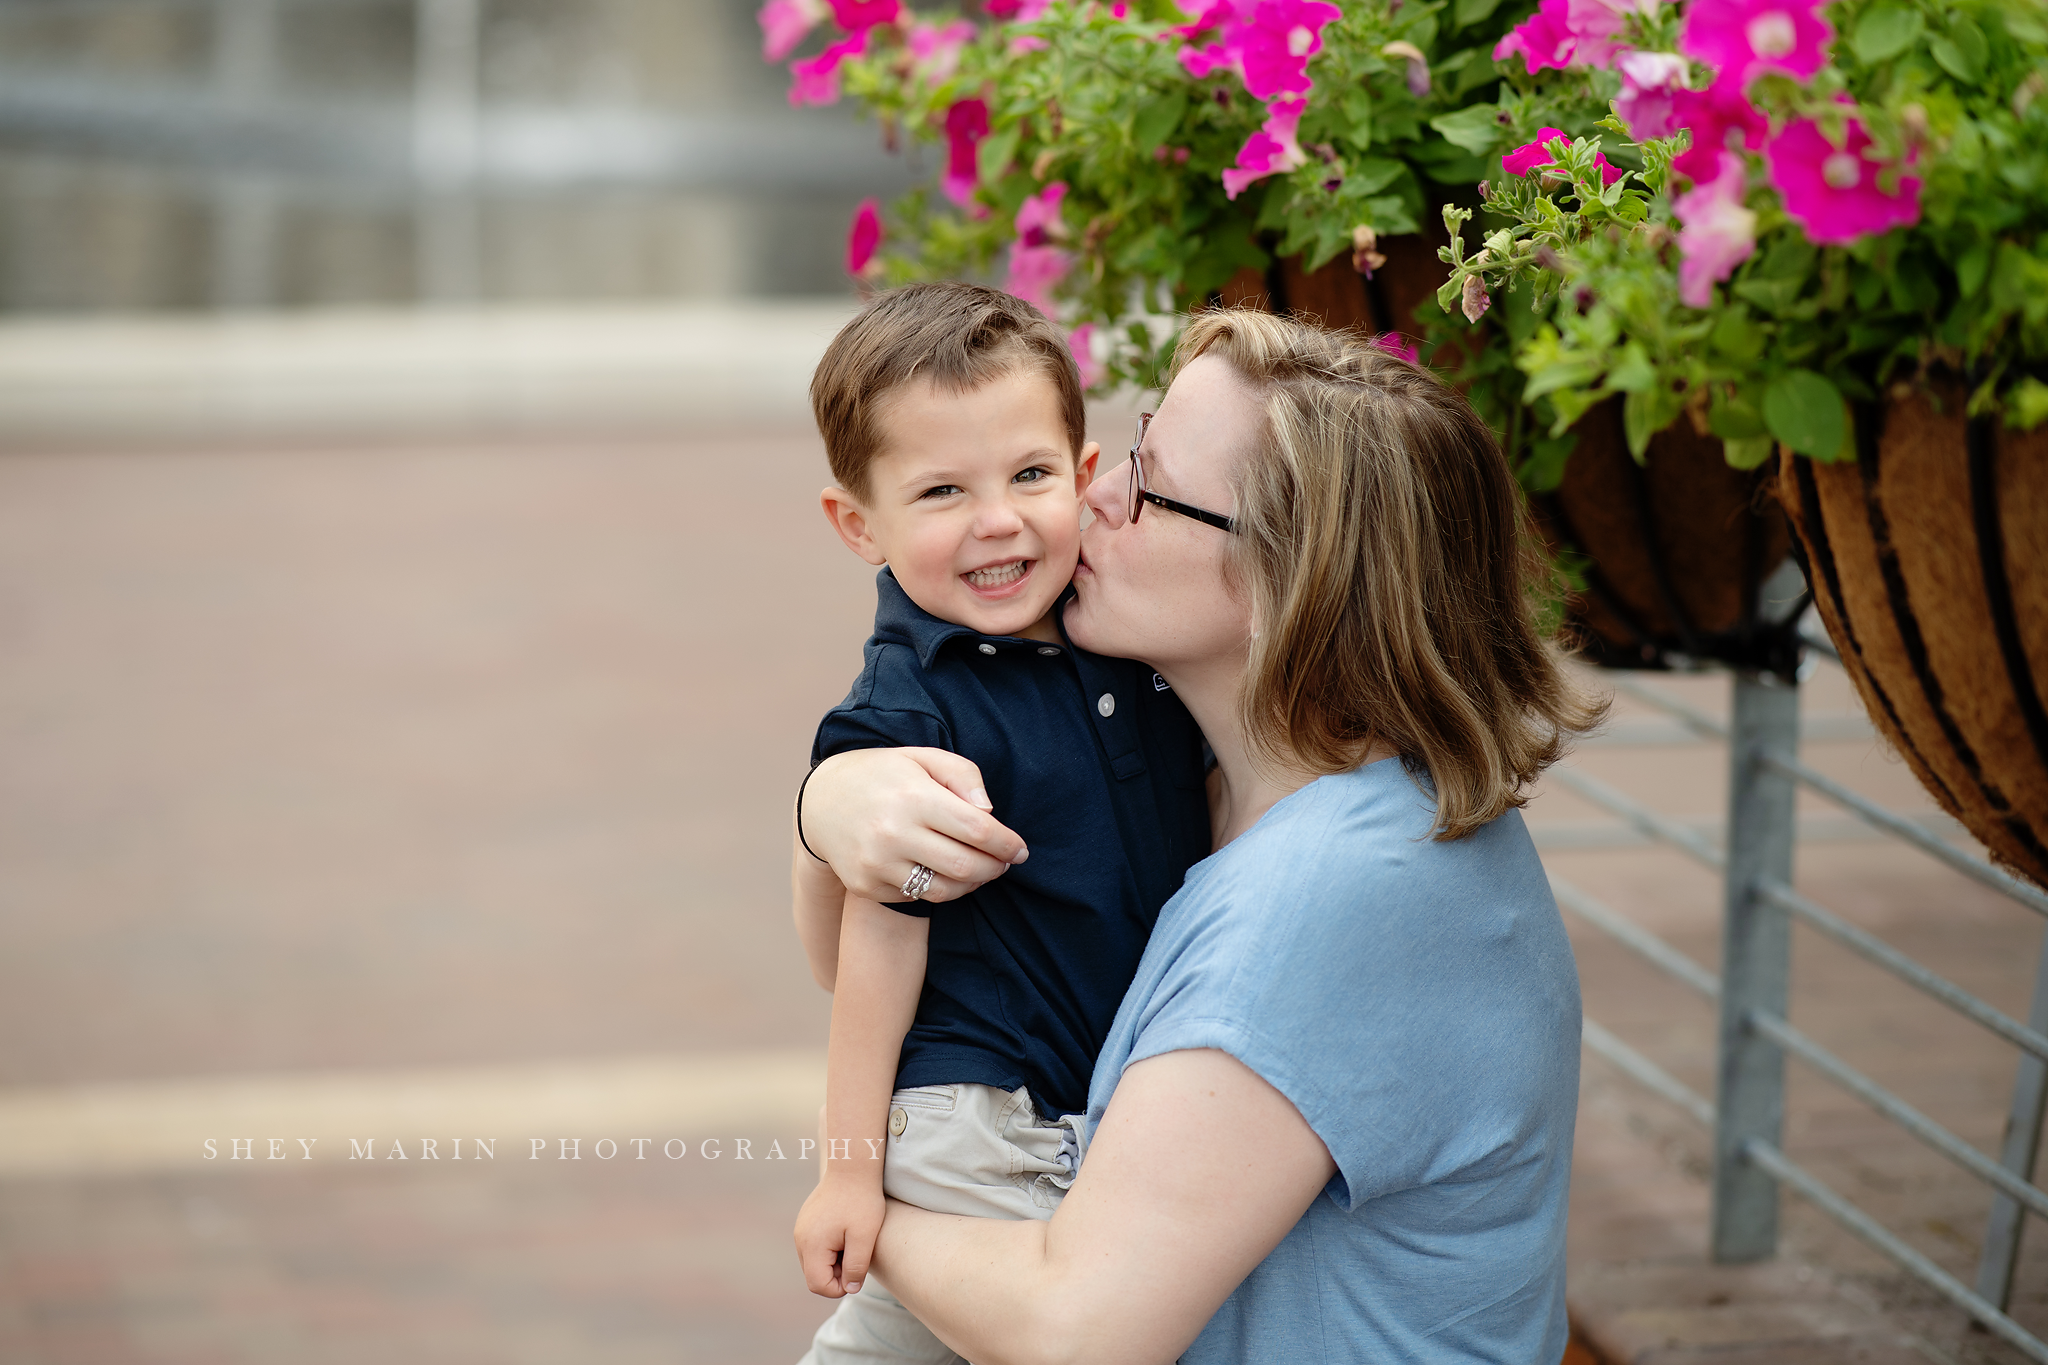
x=1105, y=498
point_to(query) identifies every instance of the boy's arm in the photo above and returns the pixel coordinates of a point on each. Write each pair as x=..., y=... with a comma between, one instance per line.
x=883, y=956
x=817, y=898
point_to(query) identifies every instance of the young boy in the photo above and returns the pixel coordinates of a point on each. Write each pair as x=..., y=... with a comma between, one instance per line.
x=953, y=422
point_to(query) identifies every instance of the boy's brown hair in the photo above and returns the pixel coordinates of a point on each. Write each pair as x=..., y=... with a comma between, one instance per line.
x=954, y=335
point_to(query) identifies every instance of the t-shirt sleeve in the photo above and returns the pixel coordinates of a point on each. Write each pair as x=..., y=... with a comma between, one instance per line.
x=1420, y=1042
x=857, y=725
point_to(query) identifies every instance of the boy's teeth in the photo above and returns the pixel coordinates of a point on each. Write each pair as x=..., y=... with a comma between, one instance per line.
x=999, y=575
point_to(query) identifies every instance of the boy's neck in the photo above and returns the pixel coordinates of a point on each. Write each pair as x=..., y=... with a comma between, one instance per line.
x=1045, y=629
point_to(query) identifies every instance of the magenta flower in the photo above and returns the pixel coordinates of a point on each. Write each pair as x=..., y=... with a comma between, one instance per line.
x=863, y=236
x=1833, y=192
x=966, y=126
x=1034, y=270
x=1268, y=42
x=1564, y=33
x=1399, y=347
x=1719, y=233
x=1270, y=150
x=1023, y=11
x=1274, y=48
x=1081, y=341
x=934, y=51
x=1650, y=82
x=784, y=23
x=1532, y=155
x=1743, y=38
x=1719, y=117
x=1038, y=217
x=816, y=79
x=858, y=16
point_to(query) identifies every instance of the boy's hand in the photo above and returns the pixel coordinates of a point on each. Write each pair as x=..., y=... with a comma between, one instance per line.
x=835, y=1235
x=873, y=814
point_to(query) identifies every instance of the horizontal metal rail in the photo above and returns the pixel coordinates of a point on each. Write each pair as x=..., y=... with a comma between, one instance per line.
x=1700, y=723
x=1639, y=941
x=1823, y=646
x=1641, y=817
x=1900, y=827
x=1905, y=968
x=1897, y=1110
x=1644, y=1071
x=1770, y=1159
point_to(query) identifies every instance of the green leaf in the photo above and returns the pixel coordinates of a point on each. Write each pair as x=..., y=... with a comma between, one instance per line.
x=1157, y=118
x=2026, y=406
x=1632, y=371
x=1885, y=31
x=1476, y=128
x=995, y=153
x=1952, y=59
x=1358, y=113
x=1737, y=335
x=1735, y=418
x=1807, y=413
x=1748, y=452
x=1543, y=470
x=1645, y=414
x=1472, y=11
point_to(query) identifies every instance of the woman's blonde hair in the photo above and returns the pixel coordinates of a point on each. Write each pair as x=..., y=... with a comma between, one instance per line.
x=1392, y=587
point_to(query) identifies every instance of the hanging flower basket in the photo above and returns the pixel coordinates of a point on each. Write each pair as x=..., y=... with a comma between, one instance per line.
x=1670, y=553
x=1928, y=558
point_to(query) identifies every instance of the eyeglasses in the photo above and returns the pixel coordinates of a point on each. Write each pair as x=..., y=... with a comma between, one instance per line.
x=1140, y=494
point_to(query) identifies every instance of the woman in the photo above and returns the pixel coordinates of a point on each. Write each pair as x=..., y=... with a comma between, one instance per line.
x=1333, y=1119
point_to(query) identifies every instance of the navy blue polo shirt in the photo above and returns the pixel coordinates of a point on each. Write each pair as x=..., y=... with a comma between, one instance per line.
x=1097, y=765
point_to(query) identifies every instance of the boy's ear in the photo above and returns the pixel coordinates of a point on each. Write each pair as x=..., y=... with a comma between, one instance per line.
x=1084, y=468
x=851, y=523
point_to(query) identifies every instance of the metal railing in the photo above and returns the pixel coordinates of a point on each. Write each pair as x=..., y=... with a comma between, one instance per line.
x=1746, y=1116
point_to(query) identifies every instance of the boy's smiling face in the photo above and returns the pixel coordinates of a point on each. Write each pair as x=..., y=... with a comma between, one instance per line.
x=974, y=503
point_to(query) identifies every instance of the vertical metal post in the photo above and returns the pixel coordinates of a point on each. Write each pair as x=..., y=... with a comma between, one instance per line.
x=446, y=78
x=245, y=208
x=2022, y=1142
x=1755, y=966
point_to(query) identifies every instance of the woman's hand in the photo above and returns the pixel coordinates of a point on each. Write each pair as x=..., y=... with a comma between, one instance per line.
x=873, y=813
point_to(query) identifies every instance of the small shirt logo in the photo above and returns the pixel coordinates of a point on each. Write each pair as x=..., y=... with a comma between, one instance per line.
x=1160, y=684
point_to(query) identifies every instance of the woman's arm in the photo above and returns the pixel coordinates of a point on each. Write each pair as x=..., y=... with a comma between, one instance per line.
x=1199, y=1169
x=873, y=813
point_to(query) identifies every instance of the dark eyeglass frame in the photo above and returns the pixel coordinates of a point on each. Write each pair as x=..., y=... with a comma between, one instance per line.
x=1140, y=494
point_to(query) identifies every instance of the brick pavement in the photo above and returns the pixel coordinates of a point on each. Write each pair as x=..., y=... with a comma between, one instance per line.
x=455, y=755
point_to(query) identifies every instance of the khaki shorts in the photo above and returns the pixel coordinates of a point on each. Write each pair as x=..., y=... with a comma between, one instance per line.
x=965, y=1149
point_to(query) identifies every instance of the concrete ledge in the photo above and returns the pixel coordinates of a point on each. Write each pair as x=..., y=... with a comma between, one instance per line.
x=380, y=374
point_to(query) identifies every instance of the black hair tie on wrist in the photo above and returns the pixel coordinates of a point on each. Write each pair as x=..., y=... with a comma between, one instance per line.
x=800, y=815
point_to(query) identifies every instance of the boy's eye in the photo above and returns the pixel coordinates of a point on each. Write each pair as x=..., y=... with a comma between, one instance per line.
x=940, y=490
x=1032, y=475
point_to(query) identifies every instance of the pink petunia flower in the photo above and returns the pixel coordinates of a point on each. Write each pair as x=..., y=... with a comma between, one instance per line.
x=1270, y=150
x=934, y=51
x=784, y=23
x=1563, y=33
x=1023, y=11
x=1743, y=38
x=1268, y=42
x=1034, y=270
x=863, y=236
x=1399, y=347
x=966, y=126
x=1081, y=341
x=858, y=16
x=1719, y=117
x=1531, y=155
x=1038, y=217
x=816, y=79
x=1650, y=82
x=1719, y=233
x=1027, y=42
x=1833, y=192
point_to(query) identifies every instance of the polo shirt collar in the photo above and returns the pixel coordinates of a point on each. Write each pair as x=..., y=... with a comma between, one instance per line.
x=899, y=619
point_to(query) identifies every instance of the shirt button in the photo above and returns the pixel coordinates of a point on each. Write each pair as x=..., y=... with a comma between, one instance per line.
x=987, y=648
x=1047, y=650
x=1106, y=704
x=898, y=1121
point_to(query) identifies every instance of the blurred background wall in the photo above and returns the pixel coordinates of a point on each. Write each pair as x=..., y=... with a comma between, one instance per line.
x=283, y=154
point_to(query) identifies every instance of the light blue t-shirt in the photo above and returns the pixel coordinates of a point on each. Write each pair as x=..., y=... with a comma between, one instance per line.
x=1418, y=1003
